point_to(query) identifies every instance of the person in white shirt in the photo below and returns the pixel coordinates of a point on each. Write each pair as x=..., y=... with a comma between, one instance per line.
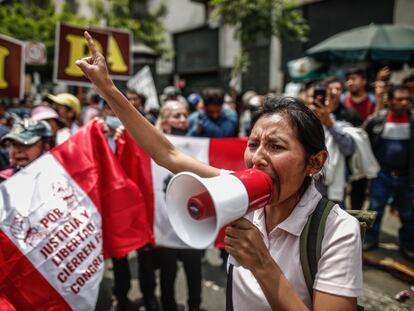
x=287, y=143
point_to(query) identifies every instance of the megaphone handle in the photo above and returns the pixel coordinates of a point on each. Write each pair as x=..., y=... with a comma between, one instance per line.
x=231, y=260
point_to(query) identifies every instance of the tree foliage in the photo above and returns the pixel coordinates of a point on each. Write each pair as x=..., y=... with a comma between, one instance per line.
x=36, y=21
x=134, y=15
x=261, y=18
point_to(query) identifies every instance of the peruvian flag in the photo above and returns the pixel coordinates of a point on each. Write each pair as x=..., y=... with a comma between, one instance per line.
x=223, y=153
x=80, y=202
x=59, y=216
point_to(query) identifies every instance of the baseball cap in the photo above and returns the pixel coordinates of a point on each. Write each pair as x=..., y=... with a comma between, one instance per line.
x=28, y=131
x=171, y=91
x=194, y=99
x=68, y=100
x=44, y=113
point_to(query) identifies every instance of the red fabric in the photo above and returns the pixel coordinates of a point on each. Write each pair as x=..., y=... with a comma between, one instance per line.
x=227, y=153
x=22, y=287
x=137, y=165
x=87, y=158
x=398, y=119
x=364, y=108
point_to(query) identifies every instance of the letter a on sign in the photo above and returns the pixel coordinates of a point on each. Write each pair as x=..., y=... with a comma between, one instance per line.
x=119, y=53
x=11, y=67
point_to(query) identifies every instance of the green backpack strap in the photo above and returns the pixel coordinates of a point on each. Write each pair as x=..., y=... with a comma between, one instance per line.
x=311, y=241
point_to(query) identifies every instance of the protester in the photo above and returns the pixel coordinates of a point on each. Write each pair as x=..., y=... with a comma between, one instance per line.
x=138, y=100
x=358, y=98
x=172, y=93
x=391, y=133
x=68, y=108
x=173, y=119
x=287, y=142
x=27, y=140
x=339, y=142
x=214, y=121
x=195, y=102
x=251, y=104
x=92, y=109
x=340, y=112
x=147, y=257
x=350, y=154
x=49, y=115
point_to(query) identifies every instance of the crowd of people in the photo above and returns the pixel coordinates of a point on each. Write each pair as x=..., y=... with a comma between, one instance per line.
x=336, y=138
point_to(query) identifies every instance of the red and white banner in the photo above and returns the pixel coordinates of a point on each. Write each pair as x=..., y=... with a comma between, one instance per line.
x=223, y=153
x=64, y=212
x=51, y=218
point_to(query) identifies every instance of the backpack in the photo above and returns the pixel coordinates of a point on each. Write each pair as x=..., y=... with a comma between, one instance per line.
x=313, y=233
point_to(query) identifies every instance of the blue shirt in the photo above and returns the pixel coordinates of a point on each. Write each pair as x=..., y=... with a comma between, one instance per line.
x=224, y=126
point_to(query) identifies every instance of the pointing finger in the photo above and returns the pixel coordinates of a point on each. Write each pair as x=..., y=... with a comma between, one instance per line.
x=91, y=44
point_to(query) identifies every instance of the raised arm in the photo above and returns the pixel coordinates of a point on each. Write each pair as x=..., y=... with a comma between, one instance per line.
x=153, y=141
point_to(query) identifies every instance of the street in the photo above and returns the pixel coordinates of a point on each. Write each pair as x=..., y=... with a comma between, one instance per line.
x=380, y=286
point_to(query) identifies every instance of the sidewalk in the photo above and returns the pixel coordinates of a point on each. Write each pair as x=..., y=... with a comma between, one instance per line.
x=380, y=286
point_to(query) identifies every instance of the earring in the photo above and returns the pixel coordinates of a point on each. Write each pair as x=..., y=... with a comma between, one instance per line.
x=310, y=175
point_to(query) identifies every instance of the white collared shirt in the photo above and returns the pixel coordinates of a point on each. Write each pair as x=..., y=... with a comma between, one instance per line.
x=340, y=266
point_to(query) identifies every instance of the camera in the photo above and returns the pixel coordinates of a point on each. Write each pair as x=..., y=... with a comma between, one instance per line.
x=319, y=96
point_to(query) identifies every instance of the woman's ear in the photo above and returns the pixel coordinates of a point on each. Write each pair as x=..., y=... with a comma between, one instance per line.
x=316, y=162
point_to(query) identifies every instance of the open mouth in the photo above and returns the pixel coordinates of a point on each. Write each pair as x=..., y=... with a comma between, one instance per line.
x=20, y=161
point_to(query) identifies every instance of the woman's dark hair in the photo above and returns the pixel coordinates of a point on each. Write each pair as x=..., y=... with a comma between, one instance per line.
x=305, y=123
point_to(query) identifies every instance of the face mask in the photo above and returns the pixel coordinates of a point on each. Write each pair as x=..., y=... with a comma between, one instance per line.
x=113, y=122
x=179, y=132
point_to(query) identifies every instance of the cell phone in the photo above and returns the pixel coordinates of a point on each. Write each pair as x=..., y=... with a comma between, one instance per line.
x=319, y=96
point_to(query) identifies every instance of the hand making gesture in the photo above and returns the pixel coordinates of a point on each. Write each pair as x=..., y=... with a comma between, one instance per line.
x=146, y=135
x=94, y=67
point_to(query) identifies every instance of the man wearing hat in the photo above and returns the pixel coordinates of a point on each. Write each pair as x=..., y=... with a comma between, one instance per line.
x=27, y=140
x=68, y=108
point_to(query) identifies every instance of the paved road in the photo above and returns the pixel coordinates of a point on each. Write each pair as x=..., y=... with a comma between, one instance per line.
x=380, y=287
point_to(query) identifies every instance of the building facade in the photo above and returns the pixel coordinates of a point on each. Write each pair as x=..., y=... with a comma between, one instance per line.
x=204, y=53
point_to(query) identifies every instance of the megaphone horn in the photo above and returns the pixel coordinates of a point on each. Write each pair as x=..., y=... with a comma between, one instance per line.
x=199, y=207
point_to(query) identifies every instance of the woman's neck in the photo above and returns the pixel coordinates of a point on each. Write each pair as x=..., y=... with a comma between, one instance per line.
x=277, y=213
